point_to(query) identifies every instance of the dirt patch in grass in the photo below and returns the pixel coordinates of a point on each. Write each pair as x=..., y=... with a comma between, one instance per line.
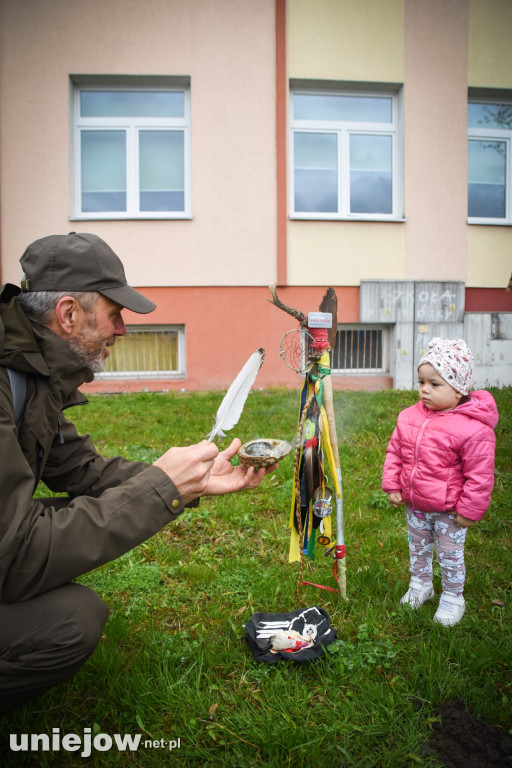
x=461, y=740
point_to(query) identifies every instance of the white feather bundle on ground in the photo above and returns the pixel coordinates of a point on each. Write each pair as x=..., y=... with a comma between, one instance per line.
x=232, y=406
x=289, y=640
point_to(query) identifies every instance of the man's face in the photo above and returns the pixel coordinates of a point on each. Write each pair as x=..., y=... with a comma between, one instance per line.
x=96, y=331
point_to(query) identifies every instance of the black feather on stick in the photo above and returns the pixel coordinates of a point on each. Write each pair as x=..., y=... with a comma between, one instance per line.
x=329, y=303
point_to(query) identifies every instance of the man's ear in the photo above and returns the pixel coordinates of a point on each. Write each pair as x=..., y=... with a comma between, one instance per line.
x=67, y=314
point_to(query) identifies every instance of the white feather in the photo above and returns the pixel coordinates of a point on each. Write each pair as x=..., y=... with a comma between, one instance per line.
x=232, y=406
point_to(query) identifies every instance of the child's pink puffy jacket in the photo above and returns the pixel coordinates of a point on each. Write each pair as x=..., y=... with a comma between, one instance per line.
x=444, y=460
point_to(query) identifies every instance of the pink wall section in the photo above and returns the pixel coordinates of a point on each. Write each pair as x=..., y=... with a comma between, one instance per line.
x=435, y=116
x=223, y=326
x=227, y=49
x=281, y=134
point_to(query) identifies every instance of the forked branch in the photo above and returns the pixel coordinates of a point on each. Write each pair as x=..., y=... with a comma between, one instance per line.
x=300, y=316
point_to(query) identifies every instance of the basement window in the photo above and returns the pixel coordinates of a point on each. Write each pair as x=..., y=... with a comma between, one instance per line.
x=147, y=351
x=360, y=349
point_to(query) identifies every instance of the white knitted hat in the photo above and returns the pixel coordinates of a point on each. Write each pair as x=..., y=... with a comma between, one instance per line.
x=453, y=361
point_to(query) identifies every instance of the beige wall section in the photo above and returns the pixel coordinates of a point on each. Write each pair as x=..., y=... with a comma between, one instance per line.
x=346, y=40
x=490, y=43
x=228, y=50
x=489, y=66
x=435, y=114
x=344, y=253
x=331, y=40
x=489, y=257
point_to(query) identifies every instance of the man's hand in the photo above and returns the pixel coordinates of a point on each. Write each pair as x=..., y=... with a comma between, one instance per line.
x=395, y=498
x=225, y=478
x=199, y=470
x=189, y=468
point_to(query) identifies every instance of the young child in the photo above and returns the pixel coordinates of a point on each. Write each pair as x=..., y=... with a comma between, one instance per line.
x=440, y=464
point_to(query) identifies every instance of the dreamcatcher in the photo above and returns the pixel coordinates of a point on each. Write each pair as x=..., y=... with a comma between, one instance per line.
x=316, y=460
x=294, y=350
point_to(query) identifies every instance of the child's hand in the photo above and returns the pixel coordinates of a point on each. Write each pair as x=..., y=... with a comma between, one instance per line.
x=395, y=498
x=464, y=522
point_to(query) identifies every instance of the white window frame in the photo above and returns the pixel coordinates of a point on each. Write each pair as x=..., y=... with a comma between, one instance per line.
x=132, y=126
x=180, y=373
x=382, y=371
x=495, y=134
x=344, y=130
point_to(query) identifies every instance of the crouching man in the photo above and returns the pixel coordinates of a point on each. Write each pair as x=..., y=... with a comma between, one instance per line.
x=55, y=333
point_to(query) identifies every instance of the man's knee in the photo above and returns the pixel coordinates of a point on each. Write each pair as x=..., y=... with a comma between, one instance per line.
x=46, y=639
x=82, y=615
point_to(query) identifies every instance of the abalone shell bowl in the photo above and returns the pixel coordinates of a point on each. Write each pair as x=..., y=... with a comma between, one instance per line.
x=263, y=452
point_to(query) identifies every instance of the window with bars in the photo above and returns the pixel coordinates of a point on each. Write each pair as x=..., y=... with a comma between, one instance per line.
x=147, y=352
x=359, y=349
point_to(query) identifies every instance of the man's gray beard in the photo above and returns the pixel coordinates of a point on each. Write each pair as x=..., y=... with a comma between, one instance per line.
x=95, y=363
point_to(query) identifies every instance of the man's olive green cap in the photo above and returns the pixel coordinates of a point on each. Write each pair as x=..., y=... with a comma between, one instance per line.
x=79, y=262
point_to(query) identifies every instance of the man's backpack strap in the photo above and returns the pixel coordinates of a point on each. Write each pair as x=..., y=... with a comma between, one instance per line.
x=18, y=382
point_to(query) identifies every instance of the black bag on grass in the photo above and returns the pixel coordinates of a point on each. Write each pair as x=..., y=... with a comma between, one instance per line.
x=308, y=622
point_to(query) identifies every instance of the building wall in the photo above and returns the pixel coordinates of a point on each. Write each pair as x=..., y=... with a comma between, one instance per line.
x=414, y=42
x=227, y=49
x=489, y=257
x=330, y=40
x=435, y=131
x=344, y=252
x=211, y=273
x=223, y=326
x=490, y=52
x=436, y=49
x=490, y=66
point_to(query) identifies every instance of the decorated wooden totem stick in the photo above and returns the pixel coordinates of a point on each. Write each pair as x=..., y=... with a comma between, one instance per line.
x=316, y=449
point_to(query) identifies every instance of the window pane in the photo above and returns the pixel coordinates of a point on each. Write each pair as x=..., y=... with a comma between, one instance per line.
x=490, y=116
x=162, y=170
x=144, y=351
x=371, y=182
x=103, y=167
x=316, y=172
x=366, y=109
x=486, y=178
x=132, y=103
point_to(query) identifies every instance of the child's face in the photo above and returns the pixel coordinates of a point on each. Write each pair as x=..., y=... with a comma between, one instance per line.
x=435, y=392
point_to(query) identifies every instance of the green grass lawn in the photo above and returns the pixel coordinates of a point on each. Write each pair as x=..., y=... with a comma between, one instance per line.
x=173, y=663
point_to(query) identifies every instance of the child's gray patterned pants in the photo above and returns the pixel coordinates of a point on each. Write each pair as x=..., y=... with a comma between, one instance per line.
x=426, y=529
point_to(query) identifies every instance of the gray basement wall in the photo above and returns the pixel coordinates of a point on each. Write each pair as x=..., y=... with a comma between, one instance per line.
x=415, y=312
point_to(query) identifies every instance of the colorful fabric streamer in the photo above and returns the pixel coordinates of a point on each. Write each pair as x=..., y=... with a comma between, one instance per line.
x=314, y=442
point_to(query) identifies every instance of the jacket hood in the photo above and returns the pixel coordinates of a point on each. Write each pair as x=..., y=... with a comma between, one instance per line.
x=481, y=406
x=18, y=346
x=32, y=348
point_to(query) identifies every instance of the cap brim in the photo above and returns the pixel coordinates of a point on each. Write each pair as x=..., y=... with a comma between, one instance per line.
x=129, y=298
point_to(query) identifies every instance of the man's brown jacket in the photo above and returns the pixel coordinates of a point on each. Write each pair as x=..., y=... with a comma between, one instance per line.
x=114, y=504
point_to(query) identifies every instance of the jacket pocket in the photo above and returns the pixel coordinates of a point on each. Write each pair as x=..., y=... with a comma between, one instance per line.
x=430, y=494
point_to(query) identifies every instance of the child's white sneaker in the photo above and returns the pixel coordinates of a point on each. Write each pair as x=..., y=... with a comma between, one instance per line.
x=451, y=609
x=418, y=593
